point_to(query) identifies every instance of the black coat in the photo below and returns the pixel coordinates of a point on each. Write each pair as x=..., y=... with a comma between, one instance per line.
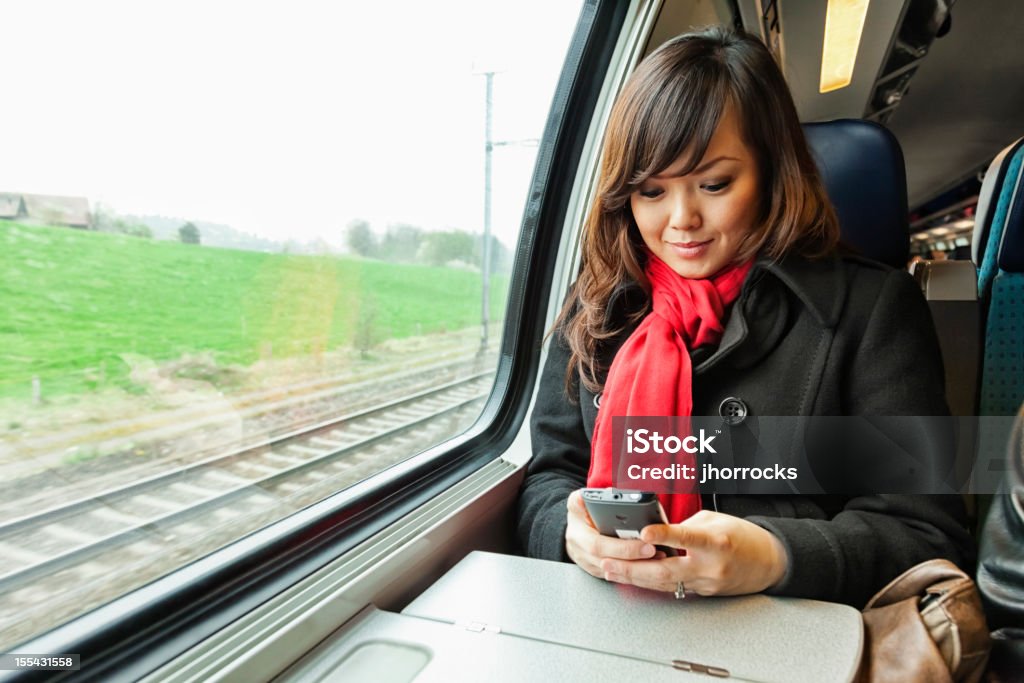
x=841, y=336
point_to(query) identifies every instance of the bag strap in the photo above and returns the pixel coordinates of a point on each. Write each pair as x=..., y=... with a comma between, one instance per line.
x=915, y=581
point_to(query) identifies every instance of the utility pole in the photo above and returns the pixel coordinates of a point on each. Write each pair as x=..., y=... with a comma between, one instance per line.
x=485, y=269
x=489, y=145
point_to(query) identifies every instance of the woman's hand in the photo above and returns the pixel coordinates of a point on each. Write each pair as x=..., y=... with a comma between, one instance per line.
x=725, y=555
x=587, y=547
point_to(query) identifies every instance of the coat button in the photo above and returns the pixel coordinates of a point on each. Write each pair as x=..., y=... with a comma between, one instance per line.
x=597, y=399
x=733, y=410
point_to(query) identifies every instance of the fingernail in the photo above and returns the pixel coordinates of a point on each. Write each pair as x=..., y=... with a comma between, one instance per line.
x=647, y=549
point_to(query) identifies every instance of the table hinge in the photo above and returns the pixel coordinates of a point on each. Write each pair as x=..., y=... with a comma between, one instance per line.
x=715, y=671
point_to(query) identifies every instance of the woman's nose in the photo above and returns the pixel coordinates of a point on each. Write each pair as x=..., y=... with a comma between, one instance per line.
x=685, y=214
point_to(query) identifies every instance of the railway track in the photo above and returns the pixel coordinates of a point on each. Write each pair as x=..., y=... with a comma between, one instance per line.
x=108, y=544
x=159, y=443
x=260, y=405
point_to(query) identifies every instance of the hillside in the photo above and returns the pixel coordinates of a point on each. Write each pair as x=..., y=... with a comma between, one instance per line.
x=78, y=303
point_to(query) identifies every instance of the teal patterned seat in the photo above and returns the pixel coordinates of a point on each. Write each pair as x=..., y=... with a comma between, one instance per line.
x=1002, y=274
x=1001, y=283
x=994, y=203
x=993, y=199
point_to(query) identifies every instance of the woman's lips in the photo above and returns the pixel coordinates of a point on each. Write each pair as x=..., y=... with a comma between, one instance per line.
x=689, y=250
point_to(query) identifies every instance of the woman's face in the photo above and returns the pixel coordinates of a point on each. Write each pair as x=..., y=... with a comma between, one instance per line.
x=694, y=223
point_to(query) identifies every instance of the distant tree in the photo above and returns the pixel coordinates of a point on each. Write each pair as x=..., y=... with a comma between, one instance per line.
x=188, y=233
x=137, y=230
x=125, y=227
x=104, y=219
x=501, y=257
x=360, y=238
x=439, y=248
x=401, y=242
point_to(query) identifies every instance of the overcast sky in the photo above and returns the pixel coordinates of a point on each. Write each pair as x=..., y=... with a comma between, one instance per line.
x=284, y=119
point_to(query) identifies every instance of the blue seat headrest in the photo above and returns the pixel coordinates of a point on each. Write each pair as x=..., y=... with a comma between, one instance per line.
x=861, y=164
x=1011, y=247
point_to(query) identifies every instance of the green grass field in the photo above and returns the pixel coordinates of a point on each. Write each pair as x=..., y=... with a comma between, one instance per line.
x=74, y=302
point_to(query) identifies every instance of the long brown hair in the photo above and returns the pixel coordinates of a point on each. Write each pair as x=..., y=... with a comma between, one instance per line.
x=672, y=104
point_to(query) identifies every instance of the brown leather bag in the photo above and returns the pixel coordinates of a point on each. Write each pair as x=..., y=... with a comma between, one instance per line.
x=926, y=625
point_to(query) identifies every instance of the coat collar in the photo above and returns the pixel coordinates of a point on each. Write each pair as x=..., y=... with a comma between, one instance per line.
x=819, y=285
x=761, y=312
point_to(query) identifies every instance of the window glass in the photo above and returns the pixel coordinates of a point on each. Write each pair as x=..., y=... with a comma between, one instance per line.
x=244, y=264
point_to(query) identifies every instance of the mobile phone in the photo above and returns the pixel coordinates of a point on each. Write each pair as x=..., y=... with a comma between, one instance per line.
x=621, y=512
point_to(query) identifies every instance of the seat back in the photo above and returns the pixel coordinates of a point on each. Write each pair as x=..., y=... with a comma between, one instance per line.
x=1002, y=390
x=1001, y=279
x=988, y=198
x=862, y=167
x=995, y=201
x=861, y=164
x=951, y=290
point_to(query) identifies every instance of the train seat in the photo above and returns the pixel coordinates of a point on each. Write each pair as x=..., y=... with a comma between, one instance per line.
x=993, y=206
x=951, y=290
x=861, y=165
x=1001, y=572
x=1001, y=276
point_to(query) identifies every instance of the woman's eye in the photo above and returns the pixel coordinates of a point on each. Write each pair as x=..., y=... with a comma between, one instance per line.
x=651, y=193
x=717, y=187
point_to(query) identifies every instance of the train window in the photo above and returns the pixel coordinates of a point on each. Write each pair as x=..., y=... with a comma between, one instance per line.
x=252, y=254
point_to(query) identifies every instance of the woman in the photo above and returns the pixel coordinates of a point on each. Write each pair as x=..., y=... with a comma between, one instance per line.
x=711, y=284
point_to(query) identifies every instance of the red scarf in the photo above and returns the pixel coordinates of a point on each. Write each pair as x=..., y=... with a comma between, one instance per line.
x=652, y=374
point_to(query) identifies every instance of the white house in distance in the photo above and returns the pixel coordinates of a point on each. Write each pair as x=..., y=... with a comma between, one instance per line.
x=45, y=209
